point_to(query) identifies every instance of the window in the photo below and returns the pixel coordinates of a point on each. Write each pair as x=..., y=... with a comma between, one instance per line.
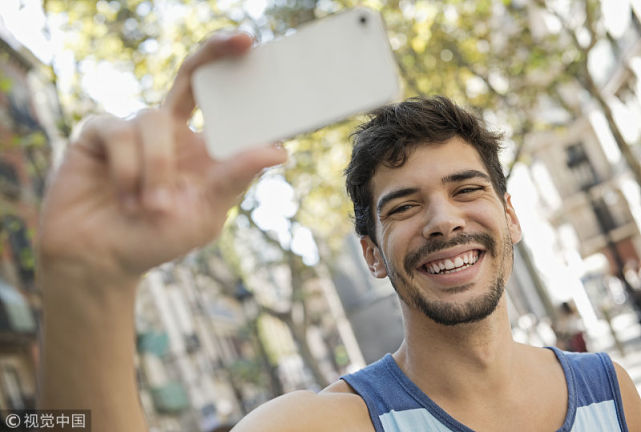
x=577, y=160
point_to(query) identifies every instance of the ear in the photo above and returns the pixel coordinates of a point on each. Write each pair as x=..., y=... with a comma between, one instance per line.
x=373, y=257
x=512, y=220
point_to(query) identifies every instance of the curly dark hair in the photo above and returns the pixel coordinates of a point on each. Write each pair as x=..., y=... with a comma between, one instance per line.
x=393, y=131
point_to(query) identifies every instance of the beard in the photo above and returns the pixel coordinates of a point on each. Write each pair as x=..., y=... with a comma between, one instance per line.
x=448, y=313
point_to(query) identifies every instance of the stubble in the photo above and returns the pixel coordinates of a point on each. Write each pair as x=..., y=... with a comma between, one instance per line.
x=451, y=313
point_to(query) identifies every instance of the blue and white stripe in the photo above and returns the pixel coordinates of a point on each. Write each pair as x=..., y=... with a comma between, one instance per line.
x=396, y=404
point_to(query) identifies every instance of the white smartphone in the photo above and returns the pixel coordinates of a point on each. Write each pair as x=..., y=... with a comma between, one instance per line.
x=325, y=71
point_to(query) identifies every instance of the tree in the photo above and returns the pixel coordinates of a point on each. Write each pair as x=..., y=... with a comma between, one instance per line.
x=590, y=24
x=582, y=29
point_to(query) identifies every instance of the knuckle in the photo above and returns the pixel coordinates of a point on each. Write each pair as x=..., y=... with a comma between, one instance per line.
x=122, y=133
x=152, y=123
x=156, y=118
x=158, y=164
x=88, y=127
x=146, y=114
x=96, y=120
x=125, y=175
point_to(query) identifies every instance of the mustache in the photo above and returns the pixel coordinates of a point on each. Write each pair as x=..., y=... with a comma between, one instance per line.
x=414, y=258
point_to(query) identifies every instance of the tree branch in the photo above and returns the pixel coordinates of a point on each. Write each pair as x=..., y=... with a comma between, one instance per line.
x=280, y=315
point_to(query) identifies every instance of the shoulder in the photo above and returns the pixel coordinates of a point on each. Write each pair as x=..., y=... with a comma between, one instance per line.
x=336, y=408
x=543, y=363
x=340, y=386
x=629, y=397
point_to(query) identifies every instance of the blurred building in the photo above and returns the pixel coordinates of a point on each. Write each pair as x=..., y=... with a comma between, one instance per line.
x=207, y=355
x=590, y=196
x=198, y=365
x=29, y=113
x=307, y=332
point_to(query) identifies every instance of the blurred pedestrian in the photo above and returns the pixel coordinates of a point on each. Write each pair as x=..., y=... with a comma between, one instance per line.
x=570, y=329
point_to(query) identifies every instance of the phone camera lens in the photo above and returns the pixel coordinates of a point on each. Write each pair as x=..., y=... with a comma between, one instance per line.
x=363, y=19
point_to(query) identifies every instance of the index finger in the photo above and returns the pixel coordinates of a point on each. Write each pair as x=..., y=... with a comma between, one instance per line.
x=180, y=100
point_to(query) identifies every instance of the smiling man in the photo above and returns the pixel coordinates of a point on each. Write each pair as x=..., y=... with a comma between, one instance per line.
x=444, y=224
x=434, y=217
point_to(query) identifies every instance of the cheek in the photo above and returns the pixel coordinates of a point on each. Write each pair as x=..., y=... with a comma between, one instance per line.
x=397, y=238
x=486, y=215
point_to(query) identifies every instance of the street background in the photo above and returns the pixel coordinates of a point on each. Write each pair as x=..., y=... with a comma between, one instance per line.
x=283, y=301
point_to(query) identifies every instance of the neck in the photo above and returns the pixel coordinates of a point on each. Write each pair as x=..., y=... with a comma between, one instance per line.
x=454, y=360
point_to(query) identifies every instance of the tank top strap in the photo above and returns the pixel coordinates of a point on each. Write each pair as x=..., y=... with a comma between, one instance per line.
x=396, y=404
x=593, y=392
x=372, y=384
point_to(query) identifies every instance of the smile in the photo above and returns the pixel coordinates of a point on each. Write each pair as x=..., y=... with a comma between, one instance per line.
x=452, y=264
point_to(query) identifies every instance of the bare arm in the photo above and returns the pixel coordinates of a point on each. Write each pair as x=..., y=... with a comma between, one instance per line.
x=130, y=195
x=630, y=398
x=310, y=412
x=88, y=351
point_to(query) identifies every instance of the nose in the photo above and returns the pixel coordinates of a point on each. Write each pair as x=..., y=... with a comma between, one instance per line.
x=443, y=219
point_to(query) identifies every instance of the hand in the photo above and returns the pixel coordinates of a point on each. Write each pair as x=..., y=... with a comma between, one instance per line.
x=132, y=194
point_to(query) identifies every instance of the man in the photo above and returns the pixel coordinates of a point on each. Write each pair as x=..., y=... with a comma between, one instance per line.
x=433, y=215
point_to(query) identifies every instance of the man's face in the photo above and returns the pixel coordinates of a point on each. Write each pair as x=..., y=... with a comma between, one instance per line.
x=444, y=236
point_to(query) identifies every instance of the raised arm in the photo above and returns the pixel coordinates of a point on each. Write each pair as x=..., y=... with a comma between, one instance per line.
x=129, y=195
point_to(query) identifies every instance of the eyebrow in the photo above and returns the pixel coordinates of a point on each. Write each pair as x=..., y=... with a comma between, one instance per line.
x=465, y=175
x=452, y=178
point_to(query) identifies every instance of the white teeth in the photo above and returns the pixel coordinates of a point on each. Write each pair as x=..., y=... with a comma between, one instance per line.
x=449, y=266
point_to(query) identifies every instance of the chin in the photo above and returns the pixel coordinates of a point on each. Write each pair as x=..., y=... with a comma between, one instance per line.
x=455, y=313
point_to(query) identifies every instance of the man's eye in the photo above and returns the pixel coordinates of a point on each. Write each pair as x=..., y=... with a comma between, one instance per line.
x=400, y=209
x=470, y=189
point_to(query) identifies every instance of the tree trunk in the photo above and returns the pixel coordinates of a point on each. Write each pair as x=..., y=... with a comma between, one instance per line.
x=624, y=147
x=539, y=286
x=299, y=273
x=275, y=385
x=299, y=332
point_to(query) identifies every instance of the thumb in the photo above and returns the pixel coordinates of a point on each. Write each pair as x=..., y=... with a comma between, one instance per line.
x=232, y=176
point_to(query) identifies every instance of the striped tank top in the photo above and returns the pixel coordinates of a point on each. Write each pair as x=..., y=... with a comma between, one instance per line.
x=396, y=404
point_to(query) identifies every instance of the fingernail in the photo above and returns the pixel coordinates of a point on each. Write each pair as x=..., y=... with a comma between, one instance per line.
x=160, y=198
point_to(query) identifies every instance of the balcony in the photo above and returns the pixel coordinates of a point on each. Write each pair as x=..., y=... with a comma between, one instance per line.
x=170, y=398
